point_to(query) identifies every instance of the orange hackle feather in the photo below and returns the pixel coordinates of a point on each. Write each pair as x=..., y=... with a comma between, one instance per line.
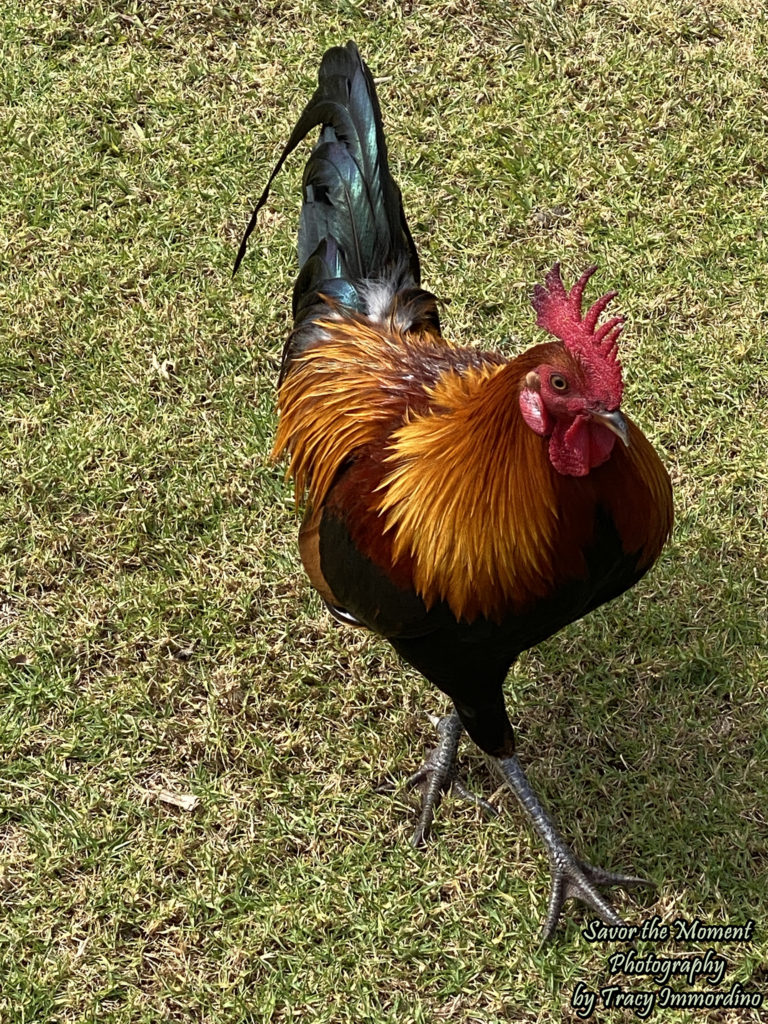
x=469, y=498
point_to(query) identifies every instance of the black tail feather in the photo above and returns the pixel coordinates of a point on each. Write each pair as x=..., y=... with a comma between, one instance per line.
x=353, y=228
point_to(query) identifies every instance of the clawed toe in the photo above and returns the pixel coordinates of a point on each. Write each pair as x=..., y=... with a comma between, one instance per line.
x=599, y=876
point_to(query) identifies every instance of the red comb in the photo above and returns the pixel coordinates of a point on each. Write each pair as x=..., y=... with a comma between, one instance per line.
x=559, y=312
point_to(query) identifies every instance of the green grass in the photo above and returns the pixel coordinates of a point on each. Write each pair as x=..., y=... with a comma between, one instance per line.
x=157, y=633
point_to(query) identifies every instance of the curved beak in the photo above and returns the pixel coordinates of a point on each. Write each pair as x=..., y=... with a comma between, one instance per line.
x=614, y=421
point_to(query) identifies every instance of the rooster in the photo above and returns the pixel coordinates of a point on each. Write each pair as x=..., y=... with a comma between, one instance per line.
x=463, y=505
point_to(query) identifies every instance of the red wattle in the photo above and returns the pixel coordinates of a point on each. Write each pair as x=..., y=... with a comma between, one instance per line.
x=579, y=446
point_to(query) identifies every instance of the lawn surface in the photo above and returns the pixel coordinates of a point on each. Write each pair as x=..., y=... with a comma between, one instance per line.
x=201, y=809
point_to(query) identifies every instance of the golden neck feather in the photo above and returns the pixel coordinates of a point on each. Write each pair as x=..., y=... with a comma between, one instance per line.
x=471, y=496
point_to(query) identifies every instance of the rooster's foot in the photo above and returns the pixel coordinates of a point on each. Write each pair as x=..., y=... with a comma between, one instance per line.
x=438, y=775
x=580, y=880
x=570, y=876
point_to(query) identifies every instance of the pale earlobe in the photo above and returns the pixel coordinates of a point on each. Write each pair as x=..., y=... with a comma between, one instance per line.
x=534, y=412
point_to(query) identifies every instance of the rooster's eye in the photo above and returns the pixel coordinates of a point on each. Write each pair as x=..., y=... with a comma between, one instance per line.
x=558, y=383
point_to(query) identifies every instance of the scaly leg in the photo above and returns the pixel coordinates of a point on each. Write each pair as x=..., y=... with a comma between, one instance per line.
x=438, y=775
x=570, y=877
